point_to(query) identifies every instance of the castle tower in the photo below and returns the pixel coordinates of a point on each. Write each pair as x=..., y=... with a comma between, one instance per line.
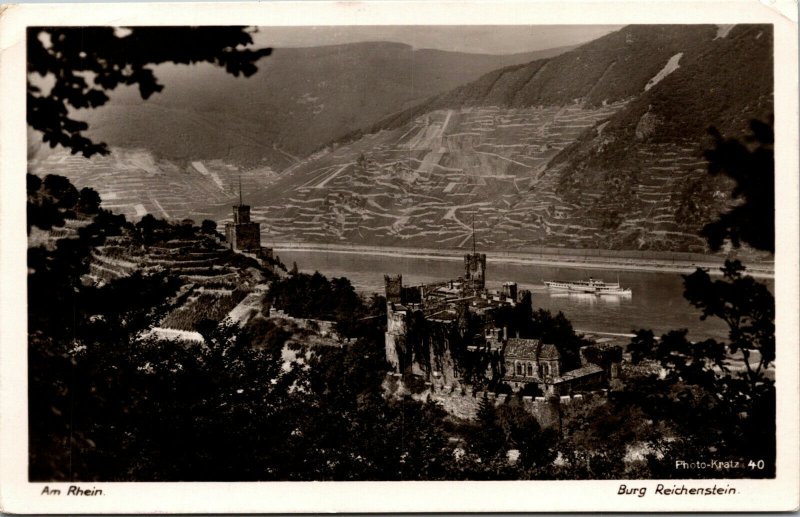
x=510, y=290
x=475, y=269
x=242, y=234
x=241, y=214
x=394, y=288
x=475, y=264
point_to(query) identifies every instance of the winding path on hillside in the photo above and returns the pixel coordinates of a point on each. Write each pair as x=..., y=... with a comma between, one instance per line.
x=338, y=171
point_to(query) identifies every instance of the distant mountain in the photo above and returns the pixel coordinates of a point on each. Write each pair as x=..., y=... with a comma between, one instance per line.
x=599, y=147
x=613, y=68
x=300, y=99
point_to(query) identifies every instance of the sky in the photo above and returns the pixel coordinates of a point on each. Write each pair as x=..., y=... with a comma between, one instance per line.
x=481, y=39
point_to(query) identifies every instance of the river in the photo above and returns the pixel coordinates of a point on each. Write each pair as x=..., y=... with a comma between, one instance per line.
x=657, y=301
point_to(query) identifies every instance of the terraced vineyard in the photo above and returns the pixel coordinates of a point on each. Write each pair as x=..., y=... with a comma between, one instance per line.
x=422, y=183
x=134, y=183
x=203, y=304
x=640, y=211
x=215, y=278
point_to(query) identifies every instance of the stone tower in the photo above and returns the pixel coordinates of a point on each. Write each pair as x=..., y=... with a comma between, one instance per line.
x=510, y=290
x=475, y=264
x=475, y=269
x=394, y=288
x=242, y=234
x=241, y=214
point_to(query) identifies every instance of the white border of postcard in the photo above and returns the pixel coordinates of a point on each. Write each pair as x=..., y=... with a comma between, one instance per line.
x=18, y=495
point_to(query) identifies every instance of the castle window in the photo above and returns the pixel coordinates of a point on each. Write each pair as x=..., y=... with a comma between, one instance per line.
x=546, y=369
x=520, y=370
x=530, y=369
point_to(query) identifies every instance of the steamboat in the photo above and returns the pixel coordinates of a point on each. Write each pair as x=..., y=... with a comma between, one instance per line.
x=591, y=286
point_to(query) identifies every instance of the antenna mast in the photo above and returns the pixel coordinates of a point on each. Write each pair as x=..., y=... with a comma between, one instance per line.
x=241, y=203
x=473, y=234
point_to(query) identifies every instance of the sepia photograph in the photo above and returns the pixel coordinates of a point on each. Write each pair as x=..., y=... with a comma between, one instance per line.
x=398, y=252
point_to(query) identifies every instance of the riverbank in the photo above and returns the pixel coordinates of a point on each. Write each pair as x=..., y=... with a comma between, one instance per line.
x=620, y=261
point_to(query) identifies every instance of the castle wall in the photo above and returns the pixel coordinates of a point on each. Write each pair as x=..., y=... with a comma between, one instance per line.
x=510, y=291
x=464, y=404
x=396, y=328
x=395, y=322
x=411, y=294
x=592, y=381
x=608, y=357
x=391, y=343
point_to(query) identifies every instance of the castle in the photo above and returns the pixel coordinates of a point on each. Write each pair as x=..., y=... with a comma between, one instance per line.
x=434, y=330
x=244, y=235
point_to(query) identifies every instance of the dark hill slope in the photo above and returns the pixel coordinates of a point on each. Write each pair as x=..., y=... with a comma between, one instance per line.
x=724, y=83
x=609, y=69
x=612, y=68
x=300, y=99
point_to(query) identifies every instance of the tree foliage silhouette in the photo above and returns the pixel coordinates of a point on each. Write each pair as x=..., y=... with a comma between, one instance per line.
x=719, y=396
x=751, y=164
x=77, y=66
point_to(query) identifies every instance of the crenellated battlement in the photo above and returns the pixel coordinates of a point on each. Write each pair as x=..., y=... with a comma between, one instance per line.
x=463, y=403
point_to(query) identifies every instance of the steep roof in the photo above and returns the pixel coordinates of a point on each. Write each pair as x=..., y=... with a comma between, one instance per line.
x=518, y=347
x=549, y=351
x=577, y=374
x=531, y=349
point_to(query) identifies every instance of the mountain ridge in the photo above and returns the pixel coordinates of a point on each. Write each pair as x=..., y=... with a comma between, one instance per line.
x=299, y=99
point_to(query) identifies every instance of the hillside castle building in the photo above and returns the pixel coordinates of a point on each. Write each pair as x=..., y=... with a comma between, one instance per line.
x=244, y=235
x=434, y=330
